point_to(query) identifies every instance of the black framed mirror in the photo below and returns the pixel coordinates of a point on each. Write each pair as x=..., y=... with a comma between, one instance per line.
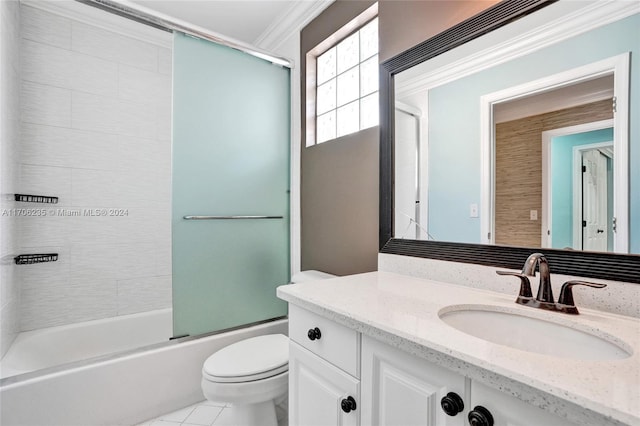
x=621, y=267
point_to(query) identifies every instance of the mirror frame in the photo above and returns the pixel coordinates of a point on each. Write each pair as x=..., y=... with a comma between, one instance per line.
x=616, y=267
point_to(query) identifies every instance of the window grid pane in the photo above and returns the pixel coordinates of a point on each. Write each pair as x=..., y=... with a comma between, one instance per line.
x=369, y=76
x=326, y=66
x=326, y=95
x=348, y=118
x=347, y=85
x=348, y=52
x=369, y=115
x=326, y=126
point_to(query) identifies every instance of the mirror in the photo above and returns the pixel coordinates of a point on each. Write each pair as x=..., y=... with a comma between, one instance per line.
x=449, y=183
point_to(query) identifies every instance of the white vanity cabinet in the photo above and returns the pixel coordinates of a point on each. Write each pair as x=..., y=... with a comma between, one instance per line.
x=324, y=384
x=401, y=389
x=338, y=377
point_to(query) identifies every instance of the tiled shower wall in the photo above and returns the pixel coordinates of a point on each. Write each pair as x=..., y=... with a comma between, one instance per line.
x=96, y=132
x=9, y=144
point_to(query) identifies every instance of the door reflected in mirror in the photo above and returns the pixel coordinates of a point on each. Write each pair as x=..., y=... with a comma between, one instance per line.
x=530, y=152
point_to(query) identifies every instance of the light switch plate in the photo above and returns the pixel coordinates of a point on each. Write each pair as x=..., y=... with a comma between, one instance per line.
x=533, y=214
x=473, y=210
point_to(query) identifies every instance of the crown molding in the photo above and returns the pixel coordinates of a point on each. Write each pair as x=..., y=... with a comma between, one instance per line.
x=90, y=15
x=595, y=15
x=290, y=21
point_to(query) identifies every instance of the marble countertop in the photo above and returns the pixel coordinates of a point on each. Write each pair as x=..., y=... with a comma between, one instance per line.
x=404, y=312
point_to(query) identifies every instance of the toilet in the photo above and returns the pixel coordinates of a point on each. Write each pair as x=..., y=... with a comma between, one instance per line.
x=252, y=374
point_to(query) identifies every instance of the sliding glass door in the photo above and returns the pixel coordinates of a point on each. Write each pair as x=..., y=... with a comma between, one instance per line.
x=231, y=132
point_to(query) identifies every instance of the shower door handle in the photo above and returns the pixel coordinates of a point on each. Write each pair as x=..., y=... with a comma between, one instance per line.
x=230, y=217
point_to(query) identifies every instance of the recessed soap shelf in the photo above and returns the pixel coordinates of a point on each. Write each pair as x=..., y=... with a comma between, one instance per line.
x=30, y=259
x=36, y=199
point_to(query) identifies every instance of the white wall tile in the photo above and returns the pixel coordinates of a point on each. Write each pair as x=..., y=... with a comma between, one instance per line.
x=113, y=47
x=45, y=27
x=136, y=119
x=96, y=129
x=92, y=299
x=63, y=68
x=140, y=86
x=91, y=260
x=95, y=113
x=140, y=155
x=36, y=232
x=135, y=260
x=144, y=294
x=45, y=180
x=10, y=113
x=43, y=104
x=45, y=64
x=49, y=273
x=10, y=320
x=165, y=61
x=88, y=228
x=164, y=123
x=94, y=75
x=44, y=306
x=63, y=147
x=94, y=188
x=163, y=257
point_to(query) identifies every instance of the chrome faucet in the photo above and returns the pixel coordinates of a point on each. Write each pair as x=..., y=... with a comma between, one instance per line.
x=544, y=298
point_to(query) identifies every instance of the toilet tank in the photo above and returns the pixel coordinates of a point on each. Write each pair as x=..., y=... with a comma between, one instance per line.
x=310, y=275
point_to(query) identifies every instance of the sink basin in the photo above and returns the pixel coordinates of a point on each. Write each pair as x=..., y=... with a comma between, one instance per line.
x=528, y=333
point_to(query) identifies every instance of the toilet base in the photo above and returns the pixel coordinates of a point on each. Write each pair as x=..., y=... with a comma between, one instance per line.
x=260, y=414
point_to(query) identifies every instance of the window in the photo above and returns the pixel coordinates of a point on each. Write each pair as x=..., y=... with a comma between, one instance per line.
x=347, y=85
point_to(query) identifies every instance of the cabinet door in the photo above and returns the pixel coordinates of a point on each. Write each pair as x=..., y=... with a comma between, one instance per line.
x=316, y=391
x=401, y=389
x=510, y=411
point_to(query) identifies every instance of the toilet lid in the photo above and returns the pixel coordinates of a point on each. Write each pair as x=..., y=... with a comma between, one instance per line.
x=250, y=359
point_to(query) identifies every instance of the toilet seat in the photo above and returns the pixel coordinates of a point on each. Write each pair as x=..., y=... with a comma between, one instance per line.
x=252, y=359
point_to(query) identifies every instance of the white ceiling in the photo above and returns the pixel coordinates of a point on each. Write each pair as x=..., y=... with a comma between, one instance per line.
x=249, y=21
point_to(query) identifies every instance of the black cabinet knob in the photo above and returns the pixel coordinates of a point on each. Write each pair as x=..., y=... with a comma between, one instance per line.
x=348, y=404
x=480, y=416
x=452, y=404
x=314, y=333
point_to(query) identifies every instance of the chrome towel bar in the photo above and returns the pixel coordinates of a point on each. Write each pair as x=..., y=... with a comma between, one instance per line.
x=230, y=217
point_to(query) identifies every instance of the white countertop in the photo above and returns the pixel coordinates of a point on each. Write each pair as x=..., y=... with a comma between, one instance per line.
x=403, y=311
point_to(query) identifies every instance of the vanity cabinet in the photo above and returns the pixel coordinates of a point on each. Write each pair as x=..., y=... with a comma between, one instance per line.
x=401, y=389
x=324, y=361
x=317, y=390
x=338, y=377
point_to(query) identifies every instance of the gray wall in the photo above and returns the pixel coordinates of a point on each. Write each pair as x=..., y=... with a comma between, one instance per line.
x=339, y=179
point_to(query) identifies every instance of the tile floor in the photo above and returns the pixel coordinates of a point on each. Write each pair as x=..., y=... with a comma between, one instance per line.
x=206, y=413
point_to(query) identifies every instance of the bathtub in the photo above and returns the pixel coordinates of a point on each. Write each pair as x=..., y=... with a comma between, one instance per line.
x=48, y=347
x=118, y=389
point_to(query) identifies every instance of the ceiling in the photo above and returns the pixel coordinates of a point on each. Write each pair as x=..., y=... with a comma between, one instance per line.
x=249, y=21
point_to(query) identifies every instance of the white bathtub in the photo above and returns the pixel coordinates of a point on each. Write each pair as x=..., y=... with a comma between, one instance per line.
x=119, y=389
x=48, y=347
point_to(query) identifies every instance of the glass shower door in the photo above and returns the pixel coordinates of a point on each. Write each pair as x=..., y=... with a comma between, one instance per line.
x=231, y=165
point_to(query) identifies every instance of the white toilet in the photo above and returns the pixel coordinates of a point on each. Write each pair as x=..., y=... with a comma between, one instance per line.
x=252, y=374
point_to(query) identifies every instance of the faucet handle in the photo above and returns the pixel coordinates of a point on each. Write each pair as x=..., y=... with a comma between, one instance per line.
x=566, y=293
x=525, y=285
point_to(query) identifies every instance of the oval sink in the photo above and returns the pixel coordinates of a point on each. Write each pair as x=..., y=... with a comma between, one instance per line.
x=534, y=334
